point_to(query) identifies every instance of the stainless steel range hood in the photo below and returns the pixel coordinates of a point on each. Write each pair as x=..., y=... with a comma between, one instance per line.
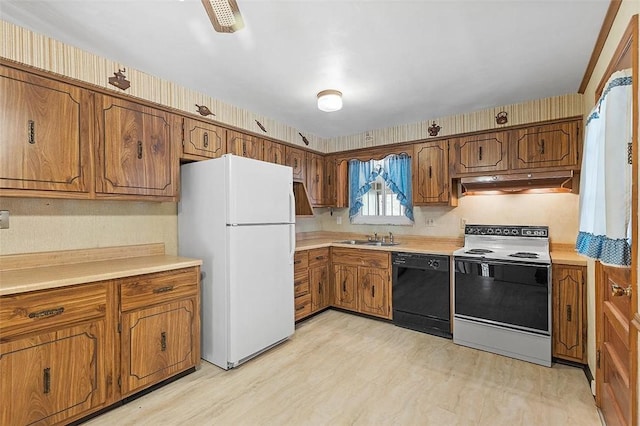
x=559, y=181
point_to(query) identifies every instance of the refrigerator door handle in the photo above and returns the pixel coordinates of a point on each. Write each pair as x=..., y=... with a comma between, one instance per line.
x=292, y=243
x=292, y=205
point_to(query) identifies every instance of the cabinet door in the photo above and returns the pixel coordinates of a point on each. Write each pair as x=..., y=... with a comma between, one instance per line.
x=431, y=173
x=274, y=152
x=45, y=133
x=551, y=145
x=345, y=286
x=320, y=290
x=203, y=139
x=244, y=145
x=296, y=160
x=135, y=152
x=373, y=290
x=480, y=153
x=329, y=191
x=50, y=377
x=315, y=172
x=157, y=343
x=569, y=331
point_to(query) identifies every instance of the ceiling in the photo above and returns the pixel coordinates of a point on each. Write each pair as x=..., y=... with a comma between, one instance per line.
x=395, y=61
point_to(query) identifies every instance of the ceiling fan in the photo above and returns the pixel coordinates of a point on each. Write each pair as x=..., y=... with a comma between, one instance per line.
x=224, y=15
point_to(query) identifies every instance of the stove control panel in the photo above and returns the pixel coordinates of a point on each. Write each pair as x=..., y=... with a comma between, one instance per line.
x=509, y=231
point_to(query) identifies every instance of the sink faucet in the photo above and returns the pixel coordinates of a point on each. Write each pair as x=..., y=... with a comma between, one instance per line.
x=390, y=237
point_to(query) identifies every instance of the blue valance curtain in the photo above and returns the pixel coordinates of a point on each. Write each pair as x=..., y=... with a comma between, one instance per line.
x=605, y=181
x=396, y=172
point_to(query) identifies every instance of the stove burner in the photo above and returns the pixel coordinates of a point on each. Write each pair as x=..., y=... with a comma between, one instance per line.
x=525, y=255
x=479, y=251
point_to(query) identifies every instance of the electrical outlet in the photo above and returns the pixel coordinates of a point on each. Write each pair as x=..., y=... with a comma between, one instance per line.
x=430, y=222
x=463, y=223
x=339, y=220
x=4, y=219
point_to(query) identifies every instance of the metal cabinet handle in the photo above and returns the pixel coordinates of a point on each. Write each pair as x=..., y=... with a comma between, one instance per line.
x=163, y=341
x=295, y=163
x=46, y=380
x=299, y=308
x=295, y=262
x=616, y=291
x=344, y=286
x=31, y=131
x=139, y=150
x=205, y=140
x=244, y=148
x=480, y=153
x=569, y=313
x=373, y=291
x=163, y=289
x=47, y=313
x=319, y=287
x=317, y=178
x=430, y=173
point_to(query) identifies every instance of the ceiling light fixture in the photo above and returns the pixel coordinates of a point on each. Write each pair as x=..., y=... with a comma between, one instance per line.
x=330, y=100
x=224, y=15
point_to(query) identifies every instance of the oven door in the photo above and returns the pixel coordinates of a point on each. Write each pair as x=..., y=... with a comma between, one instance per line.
x=511, y=294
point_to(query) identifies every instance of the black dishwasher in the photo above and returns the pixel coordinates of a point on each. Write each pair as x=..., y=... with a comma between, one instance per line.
x=421, y=293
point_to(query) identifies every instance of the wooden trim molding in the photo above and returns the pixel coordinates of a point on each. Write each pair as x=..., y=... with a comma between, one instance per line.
x=612, y=11
x=623, y=57
x=636, y=321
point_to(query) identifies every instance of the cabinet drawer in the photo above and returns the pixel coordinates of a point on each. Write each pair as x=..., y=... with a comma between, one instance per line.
x=145, y=290
x=318, y=256
x=356, y=257
x=301, y=261
x=302, y=306
x=39, y=310
x=301, y=286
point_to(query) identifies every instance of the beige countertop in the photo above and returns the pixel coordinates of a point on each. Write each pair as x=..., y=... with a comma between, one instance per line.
x=560, y=254
x=90, y=269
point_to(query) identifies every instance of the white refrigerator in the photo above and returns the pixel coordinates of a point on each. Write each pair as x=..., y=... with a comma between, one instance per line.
x=237, y=215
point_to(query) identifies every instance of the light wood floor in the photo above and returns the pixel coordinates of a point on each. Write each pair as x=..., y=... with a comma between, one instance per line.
x=341, y=369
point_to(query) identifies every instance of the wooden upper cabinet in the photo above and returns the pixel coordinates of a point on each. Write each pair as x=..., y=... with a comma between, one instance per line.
x=274, y=152
x=244, y=145
x=483, y=153
x=203, y=139
x=136, y=150
x=45, y=135
x=547, y=146
x=431, y=173
x=315, y=178
x=329, y=191
x=296, y=159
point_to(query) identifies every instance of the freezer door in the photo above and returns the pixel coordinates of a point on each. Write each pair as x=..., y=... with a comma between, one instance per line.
x=259, y=192
x=261, y=306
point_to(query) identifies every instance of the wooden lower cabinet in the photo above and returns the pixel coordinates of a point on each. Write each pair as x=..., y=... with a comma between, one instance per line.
x=53, y=376
x=345, y=286
x=157, y=343
x=301, y=288
x=319, y=279
x=362, y=281
x=62, y=356
x=569, y=313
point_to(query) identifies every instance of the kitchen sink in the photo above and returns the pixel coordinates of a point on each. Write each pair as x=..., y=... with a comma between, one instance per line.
x=368, y=243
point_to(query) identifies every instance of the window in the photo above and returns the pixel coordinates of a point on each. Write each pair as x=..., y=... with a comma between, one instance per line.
x=380, y=191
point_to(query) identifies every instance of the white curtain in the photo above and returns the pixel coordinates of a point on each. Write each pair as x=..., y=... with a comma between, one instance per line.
x=605, y=180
